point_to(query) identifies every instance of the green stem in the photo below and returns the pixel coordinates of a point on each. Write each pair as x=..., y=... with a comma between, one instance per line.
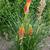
x=21, y=44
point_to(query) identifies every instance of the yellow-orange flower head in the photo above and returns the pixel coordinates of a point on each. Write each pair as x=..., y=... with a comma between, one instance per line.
x=27, y=5
x=21, y=31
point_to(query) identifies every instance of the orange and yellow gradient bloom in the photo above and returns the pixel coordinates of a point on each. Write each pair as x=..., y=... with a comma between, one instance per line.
x=21, y=32
x=27, y=5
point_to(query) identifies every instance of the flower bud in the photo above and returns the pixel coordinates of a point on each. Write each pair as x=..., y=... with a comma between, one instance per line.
x=30, y=30
x=21, y=31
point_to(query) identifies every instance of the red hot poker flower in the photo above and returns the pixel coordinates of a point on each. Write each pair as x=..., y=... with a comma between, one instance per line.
x=21, y=31
x=27, y=5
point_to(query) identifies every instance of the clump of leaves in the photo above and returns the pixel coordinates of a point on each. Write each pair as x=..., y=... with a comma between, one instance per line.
x=12, y=16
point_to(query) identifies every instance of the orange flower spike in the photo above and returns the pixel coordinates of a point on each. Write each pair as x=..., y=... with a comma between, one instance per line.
x=30, y=30
x=21, y=31
x=28, y=2
x=27, y=5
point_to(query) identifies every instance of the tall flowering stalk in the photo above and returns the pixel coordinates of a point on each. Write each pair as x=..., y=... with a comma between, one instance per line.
x=23, y=31
x=21, y=36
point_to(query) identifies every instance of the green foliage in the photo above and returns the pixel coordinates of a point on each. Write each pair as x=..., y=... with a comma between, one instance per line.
x=11, y=16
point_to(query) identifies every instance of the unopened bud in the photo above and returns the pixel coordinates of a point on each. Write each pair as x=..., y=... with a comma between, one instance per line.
x=30, y=30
